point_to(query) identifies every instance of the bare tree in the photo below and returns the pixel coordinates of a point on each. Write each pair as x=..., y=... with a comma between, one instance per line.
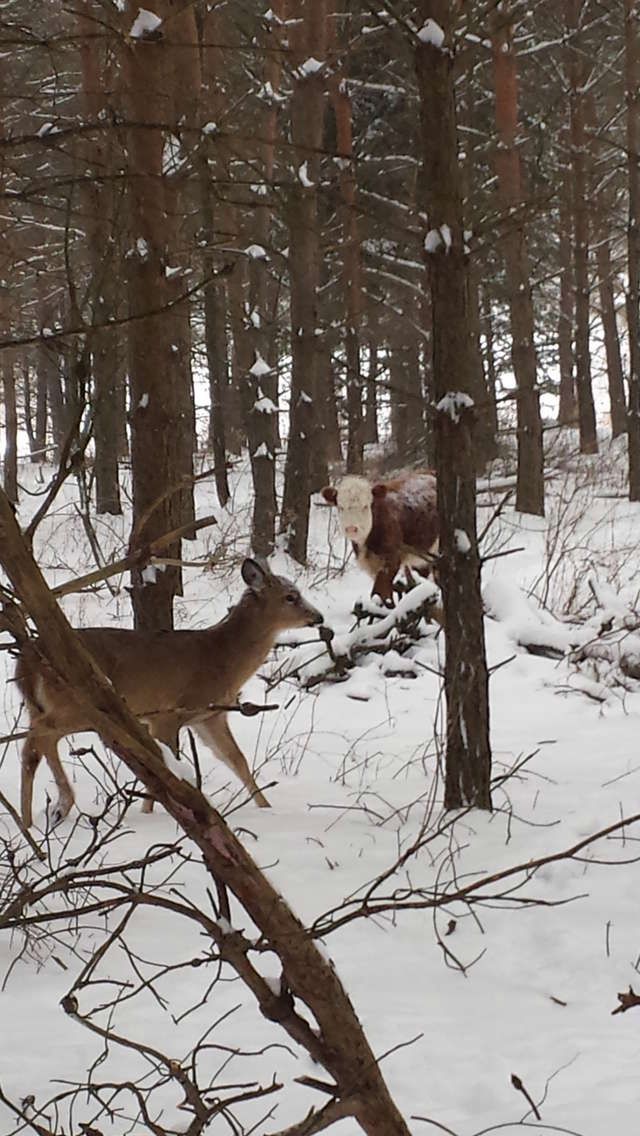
x=308, y=39
x=577, y=74
x=155, y=409
x=632, y=83
x=468, y=754
x=530, y=477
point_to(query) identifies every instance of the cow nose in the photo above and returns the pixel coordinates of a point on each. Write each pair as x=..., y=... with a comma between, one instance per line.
x=351, y=530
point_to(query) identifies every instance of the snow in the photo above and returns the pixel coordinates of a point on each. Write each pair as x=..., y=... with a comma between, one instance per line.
x=310, y=66
x=265, y=405
x=303, y=176
x=180, y=768
x=143, y=401
x=437, y=237
x=210, y=128
x=172, y=156
x=432, y=241
x=256, y=252
x=260, y=366
x=453, y=403
x=353, y=770
x=432, y=33
x=145, y=24
x=463, y=544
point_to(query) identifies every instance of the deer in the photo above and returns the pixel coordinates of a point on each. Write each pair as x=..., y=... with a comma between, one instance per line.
x=169, y=679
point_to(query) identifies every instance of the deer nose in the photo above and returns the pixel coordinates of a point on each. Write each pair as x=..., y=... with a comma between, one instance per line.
x=317, y=618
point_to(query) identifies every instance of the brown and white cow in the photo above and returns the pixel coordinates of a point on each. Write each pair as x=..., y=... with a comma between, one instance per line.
x=391, y=524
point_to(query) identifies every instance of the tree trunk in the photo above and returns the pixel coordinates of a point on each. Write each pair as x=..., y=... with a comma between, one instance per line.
x=10, y=459
x=632, y=84
x=371, y=391
x=155, y=465
x=183, y=83
x=100, y=210
x=468, y=754
x=530, y=475
x=615, y=380
x=567, y=403
x=485, y=432
x=350, y=250
x=489, y=362
x=577, y=76
x=308, y=39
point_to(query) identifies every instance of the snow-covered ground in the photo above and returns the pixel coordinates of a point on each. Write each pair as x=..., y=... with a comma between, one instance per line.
x=455, y=1009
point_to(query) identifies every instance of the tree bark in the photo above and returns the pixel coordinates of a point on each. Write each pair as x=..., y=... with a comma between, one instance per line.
x=100, y=209
x=10, y=459
x=155, y=464
x=350, y=250
x=615, y=380
x=468, y=753
x=632, y=85
x=308, y=39
x=577, y=112
x=530, y=474
x=567, y=404
x=338, y=1043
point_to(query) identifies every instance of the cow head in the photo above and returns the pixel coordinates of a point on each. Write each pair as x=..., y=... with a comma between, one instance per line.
x=353, y=498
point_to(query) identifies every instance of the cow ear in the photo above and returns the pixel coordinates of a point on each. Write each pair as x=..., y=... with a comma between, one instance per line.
x=330, y=494
x=379, y=490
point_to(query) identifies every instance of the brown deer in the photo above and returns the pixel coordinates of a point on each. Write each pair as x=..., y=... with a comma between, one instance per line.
x=168, y=679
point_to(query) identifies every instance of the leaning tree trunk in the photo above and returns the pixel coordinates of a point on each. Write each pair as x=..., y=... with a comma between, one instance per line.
x=530, y=475
x=632, y=82
x=468, y=754
x=577, y=109
x=310, y=990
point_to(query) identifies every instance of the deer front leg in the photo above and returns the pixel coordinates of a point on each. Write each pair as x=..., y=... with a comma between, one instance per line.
x=165, y=730
x=216, y=733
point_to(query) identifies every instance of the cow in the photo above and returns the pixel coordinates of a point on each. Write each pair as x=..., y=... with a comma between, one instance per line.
x=391, y=524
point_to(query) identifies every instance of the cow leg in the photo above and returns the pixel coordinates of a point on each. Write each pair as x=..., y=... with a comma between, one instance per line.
x=383, y=583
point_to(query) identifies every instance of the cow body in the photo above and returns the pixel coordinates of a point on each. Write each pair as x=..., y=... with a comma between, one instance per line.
x=391, y=524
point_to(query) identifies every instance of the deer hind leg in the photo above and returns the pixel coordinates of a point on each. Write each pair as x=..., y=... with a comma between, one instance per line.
x=216, y=733
x=35, y=748
x=30, y=759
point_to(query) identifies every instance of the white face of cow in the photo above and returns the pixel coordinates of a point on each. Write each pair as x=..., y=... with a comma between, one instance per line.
x=353, y=501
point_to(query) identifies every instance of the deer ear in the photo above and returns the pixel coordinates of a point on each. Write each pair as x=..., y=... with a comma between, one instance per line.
x=330, y=494
x=254, y=574
x=379, y=490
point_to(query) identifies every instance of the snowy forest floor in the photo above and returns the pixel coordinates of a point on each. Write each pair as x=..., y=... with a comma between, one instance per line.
x=458, y=999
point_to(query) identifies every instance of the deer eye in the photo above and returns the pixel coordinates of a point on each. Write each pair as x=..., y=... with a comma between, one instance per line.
x=291, y=598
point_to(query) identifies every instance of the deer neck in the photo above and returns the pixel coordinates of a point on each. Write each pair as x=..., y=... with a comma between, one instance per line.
x=246, y=635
